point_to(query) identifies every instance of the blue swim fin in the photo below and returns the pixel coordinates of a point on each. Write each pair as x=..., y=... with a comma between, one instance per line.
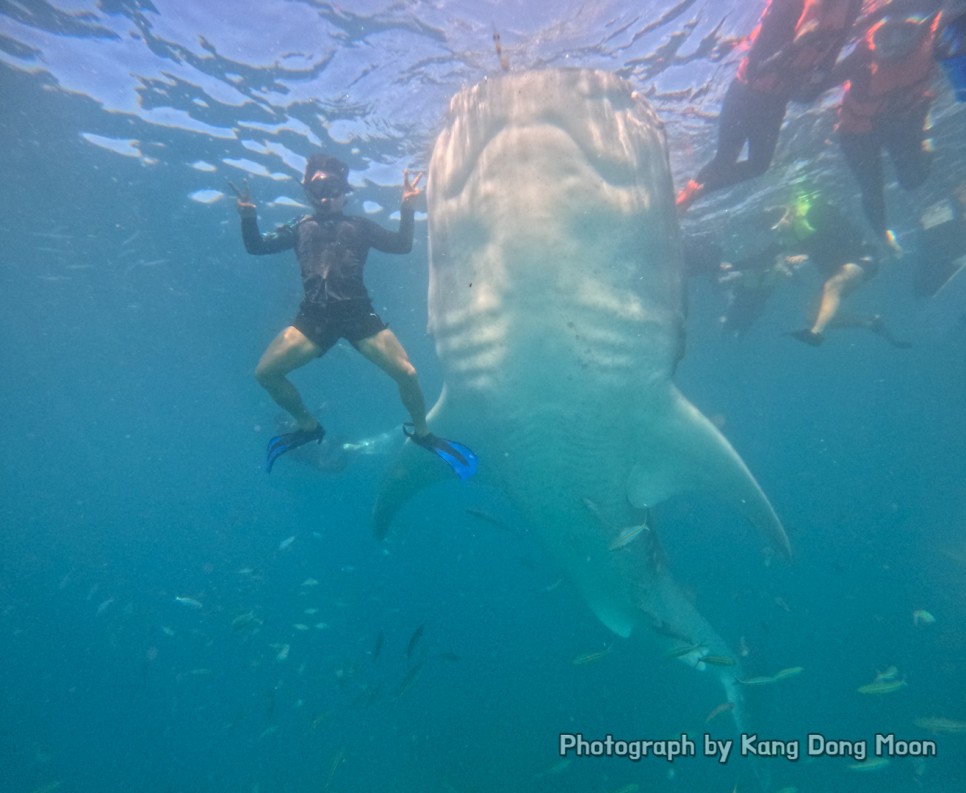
x=280, y=444
x=460, y=458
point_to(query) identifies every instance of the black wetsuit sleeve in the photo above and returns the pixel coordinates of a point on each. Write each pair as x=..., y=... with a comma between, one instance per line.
x=393, y=241
x=281, y=239
x=776, y=31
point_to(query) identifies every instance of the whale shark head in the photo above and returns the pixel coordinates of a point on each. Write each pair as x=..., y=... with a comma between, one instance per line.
x=550, y=221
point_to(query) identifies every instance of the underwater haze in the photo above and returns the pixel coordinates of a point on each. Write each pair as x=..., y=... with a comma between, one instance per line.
x=175, y=620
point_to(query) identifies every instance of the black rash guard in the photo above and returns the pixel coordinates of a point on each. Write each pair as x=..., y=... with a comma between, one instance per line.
x=331, y=251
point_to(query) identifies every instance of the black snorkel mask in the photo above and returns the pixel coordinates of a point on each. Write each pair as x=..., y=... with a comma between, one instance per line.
x=322, y=186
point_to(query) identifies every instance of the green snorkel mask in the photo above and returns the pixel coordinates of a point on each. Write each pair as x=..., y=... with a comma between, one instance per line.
x=794, y=226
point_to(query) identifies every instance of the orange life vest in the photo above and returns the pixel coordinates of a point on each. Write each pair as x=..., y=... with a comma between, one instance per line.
x=825, y=25
x=883, y=88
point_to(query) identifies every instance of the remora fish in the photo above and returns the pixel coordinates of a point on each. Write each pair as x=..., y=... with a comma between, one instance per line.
x=882, y=687
x=938, y=724
x=413, y=641
x=556, y=303
x=587, y=658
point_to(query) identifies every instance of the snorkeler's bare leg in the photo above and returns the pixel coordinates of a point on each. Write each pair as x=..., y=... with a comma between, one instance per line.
x=287, y=352
x=386, y=352
x=837, y=287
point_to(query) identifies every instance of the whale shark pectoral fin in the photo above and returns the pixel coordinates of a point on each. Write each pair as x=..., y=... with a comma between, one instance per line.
x=616, y=622
x=686, y=452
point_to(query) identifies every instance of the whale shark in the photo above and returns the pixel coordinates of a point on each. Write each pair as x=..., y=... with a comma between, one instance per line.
x=557, y=308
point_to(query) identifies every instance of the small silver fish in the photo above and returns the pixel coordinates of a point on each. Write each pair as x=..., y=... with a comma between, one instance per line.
x=104, y=606
x=587, y=658
x=628, y=536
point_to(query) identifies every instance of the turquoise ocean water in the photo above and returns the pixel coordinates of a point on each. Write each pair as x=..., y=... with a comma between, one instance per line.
x=173, y=620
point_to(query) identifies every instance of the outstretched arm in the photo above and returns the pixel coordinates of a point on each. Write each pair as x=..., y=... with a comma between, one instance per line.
x=411, y=192
x=401, y=241
x=255, y=242
x=243, y=199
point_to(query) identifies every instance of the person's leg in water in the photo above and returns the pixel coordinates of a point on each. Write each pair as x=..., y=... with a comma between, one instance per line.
x=763, y=138
x=841, y=284
x=836, y=287
x=386, y=352
x=290, y=350
x=863, y=155
x=746, y=116
x=905, y=140
x=732, y=133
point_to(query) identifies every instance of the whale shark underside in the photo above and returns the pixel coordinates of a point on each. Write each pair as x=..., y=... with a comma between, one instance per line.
x=556, y=301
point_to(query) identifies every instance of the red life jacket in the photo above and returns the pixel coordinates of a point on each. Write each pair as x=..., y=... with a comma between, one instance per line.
x=825, y=24
x=883, y=88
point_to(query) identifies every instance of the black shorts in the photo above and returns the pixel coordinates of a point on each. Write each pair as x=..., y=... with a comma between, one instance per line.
x=353, y=320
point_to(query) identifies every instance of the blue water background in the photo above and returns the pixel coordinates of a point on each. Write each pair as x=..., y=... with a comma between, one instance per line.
x=149, y=585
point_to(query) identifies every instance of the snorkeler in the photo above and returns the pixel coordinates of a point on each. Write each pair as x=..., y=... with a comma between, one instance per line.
x=885, y=106
x=814, y=228
x=331, y=249
x=747, y=284
x=750, y=283
x=793, y=50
